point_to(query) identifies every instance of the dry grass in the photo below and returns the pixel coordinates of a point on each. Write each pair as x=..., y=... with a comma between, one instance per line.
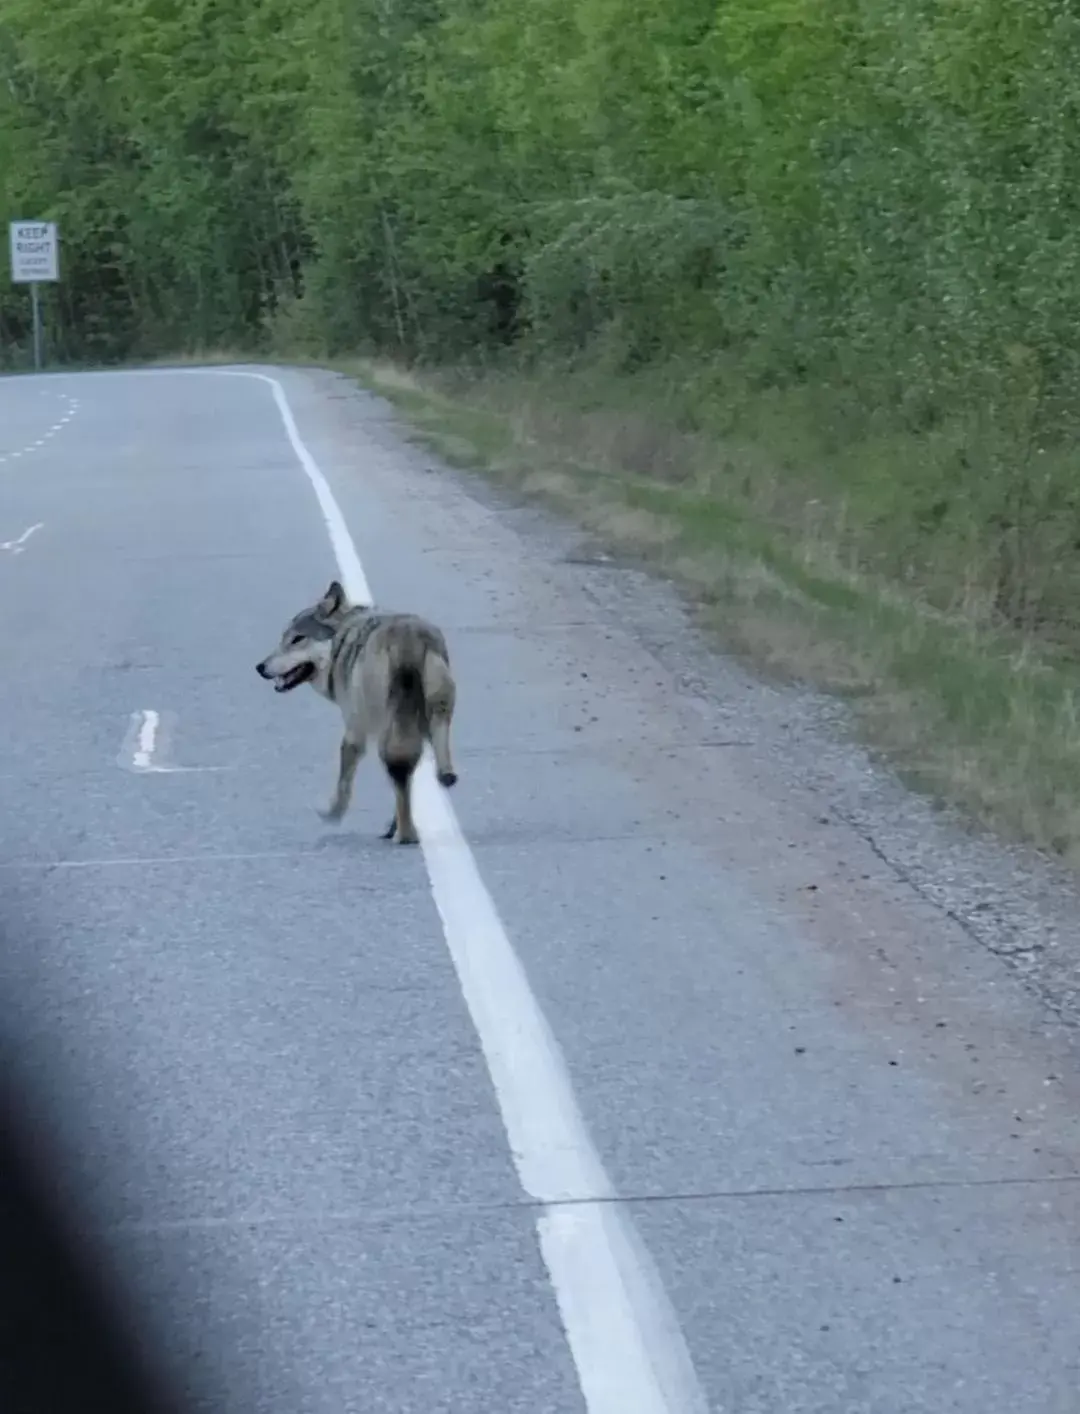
x=979, y=718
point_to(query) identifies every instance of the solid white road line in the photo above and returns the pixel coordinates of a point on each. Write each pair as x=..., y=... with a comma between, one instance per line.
x=630, y=1354
x=623, y=1333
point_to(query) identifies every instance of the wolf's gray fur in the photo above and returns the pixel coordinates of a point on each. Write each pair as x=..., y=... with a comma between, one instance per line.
x=389, y=674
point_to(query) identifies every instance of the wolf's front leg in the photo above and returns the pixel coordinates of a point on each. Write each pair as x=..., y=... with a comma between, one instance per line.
x=351, y=752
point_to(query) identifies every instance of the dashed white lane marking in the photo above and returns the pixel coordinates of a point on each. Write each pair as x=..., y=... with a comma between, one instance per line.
x=16, y=547
x=146, y=747
x=624, y=1336
x=146, y=741
x=71, y=405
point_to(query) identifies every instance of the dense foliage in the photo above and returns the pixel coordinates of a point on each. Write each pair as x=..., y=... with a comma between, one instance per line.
x=876, y=201
x=891, y=186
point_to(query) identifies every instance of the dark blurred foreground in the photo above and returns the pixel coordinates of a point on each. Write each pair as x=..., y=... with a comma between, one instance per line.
x=64, y=1345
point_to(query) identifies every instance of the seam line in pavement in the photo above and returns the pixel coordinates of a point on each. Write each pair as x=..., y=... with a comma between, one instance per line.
x=432, y=1213
x=326, y=851
x=640, y=745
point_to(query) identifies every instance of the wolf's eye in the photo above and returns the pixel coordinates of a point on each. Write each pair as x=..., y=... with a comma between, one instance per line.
x=296, y=640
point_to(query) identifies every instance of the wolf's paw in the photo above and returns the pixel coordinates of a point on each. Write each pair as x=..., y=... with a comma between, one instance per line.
x=447, y=778
x=334, y=813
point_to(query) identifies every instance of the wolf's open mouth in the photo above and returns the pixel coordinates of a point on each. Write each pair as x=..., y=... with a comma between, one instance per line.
x=295, y=677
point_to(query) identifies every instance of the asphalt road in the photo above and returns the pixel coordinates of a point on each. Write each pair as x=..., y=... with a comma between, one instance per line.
x=597, y=1104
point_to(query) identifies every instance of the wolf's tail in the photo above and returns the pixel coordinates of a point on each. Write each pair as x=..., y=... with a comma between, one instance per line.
x=406, y=728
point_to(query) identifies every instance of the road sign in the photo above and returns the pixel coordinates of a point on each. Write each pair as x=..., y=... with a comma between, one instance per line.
x=35, y=252
x=35, y=260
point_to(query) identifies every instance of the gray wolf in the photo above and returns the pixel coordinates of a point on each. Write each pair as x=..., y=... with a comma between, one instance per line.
x=389, y=675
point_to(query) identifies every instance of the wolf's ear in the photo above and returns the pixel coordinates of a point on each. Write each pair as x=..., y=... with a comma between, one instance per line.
x=334, y=600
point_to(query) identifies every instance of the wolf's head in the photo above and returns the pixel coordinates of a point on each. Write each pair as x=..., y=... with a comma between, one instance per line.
x=303, y=655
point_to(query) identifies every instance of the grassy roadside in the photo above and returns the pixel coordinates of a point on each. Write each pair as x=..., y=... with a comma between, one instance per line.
x=973, y=716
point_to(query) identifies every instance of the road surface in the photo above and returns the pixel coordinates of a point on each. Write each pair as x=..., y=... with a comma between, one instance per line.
x=638, y=1093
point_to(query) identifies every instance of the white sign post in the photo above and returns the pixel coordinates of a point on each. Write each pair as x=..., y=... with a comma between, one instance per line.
x=35, y=259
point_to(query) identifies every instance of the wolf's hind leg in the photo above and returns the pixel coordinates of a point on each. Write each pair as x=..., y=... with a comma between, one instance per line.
x=401, y=773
